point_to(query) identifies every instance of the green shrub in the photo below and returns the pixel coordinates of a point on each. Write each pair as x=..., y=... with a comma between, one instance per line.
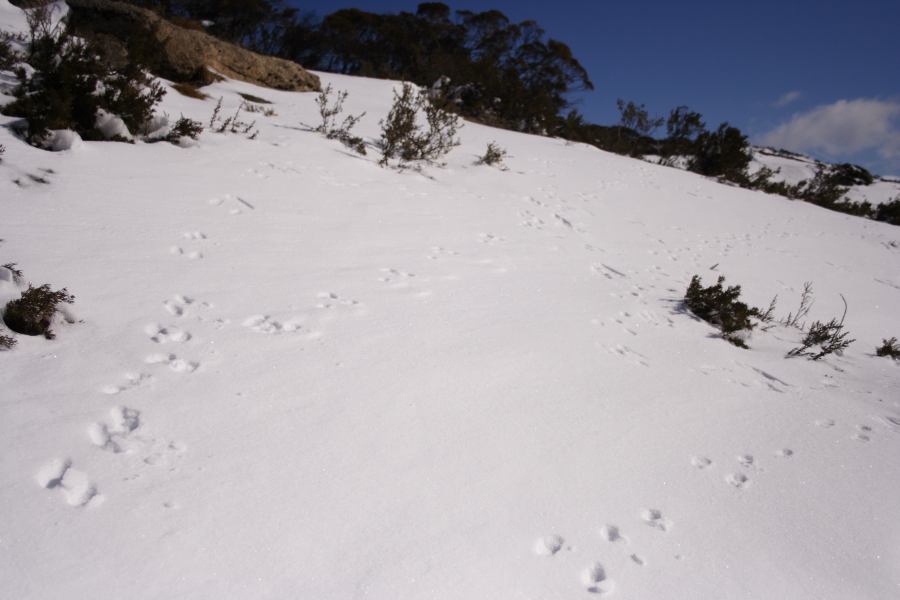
x=403, y=139
x=720, y=306
x=889, y=212
x=722, y=153
x=6, y=342
x=183, y=128
x=70, y=85
x=889, y=348
x=823, y=339
x=33, y=312
x=846, y=174
x=493, y=155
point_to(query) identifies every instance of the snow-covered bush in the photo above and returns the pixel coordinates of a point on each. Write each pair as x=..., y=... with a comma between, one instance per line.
x=889, y=348
x=493, y=155
x=7, y=55
x=721, y=307
x=69, y=88
x=329, y=127
x=403, y=139
x=33, y=312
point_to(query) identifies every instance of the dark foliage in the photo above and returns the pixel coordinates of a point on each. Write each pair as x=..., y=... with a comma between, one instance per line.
x=2, y=152
x=682, y=128
x=184, y=128
x=7, y=57
x=404, y=139
x=496, y=71
x=635, y=118
x=823, y=339
x=720, y=306
x=889, y=348
x=32, y=313
x=889, y=212
x=493, y=155
x=70, y=85
x=6, y=342
x=845, y=174
x=722, y=153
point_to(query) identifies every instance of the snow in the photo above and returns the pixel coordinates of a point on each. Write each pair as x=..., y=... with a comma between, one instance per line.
x=295, y=374
x=795, y=169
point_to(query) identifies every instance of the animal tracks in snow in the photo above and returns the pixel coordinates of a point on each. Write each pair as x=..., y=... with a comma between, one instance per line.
x=162, y=335
x=595, y=579
x=131, y=380
x=266, y=324
x=738, y=480
x=189, y=254
x=179, y=365
x=654, y=518
x=113, y=434
x=632, y=356
x=76, y=487
x=177, y=305
x=548, y=545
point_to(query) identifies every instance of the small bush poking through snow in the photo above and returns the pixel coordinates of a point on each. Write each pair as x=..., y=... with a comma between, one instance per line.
x=493, y=155
x=6, y=342
x=232, y=124
x=404, y=140
x=184, y=128
x=806, y=302
x=2, y=152
x=32, y=313
x=329, y=127
x=889, y=348
x=823, y=339
x=260, y=109
x=721, y=307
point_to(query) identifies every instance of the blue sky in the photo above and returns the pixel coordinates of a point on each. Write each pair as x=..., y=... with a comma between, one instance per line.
x=816, y=76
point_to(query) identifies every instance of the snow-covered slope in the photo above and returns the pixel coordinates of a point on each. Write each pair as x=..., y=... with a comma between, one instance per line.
x=295, y=374
x=796, y=168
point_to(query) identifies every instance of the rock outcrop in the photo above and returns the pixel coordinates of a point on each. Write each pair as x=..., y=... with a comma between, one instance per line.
x=122, y=30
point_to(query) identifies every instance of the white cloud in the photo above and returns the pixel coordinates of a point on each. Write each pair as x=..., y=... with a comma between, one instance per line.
x=788, y=98
x=842, y=129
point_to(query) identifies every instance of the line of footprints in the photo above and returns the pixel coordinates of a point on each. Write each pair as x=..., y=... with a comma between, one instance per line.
x=594, y=576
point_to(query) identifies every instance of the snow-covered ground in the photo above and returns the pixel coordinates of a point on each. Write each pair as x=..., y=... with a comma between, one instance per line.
x=794, y=169
x=295, y=374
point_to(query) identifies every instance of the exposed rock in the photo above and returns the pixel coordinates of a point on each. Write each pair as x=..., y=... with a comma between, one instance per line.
x=177, y=53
